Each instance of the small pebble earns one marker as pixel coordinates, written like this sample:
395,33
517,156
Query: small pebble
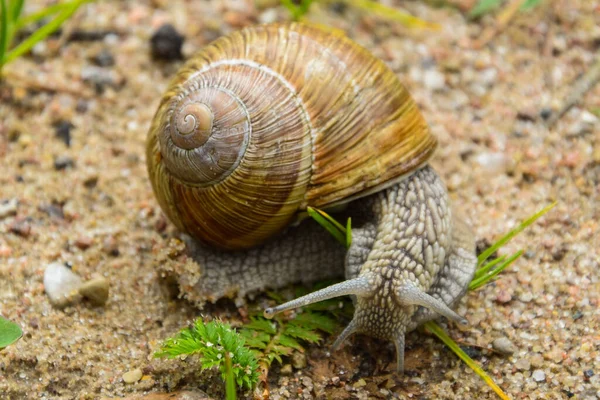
545,113
61,285
268,16
21,227
90,181
62,130
132,376
8,207
492,162
84,242
503,297
95,290
523,364
101,77
360,383
588,373
299,360
307,383
286,369
111,246
434,80
104,58
504,346
526,297
537,361
53,210
539,375
166,43
63,162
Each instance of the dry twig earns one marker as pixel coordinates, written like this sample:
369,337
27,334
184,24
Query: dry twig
583,85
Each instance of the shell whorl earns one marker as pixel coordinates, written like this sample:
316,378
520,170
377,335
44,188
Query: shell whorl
206,134
271,119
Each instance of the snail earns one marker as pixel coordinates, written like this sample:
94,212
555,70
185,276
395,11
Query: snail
274,118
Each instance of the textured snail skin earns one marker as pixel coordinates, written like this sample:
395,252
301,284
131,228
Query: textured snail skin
407,249
275,118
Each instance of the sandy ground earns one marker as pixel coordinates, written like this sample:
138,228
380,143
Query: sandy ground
501,163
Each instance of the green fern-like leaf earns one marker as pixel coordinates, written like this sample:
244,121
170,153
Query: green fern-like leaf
216,342
271,341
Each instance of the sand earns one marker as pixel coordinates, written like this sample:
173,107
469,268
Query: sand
90,204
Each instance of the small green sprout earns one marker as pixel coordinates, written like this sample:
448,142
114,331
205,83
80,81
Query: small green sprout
219,346
9,332
11,22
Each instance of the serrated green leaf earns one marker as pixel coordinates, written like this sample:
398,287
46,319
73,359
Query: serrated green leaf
261,324
316,321
300,332
214,341
9,332
288,341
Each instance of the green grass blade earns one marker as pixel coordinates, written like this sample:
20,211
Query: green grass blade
441,334
504,239
41,14
394,14
483,7
487,267
15,9
348,232
529,4
3,31
9,332
327,222
44,31
482,280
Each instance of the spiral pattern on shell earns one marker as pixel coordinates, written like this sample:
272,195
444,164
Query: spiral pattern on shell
271,119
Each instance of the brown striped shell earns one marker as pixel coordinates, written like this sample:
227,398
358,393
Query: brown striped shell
274,118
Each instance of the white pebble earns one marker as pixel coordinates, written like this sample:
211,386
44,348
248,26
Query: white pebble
539,375
8,207
434,80
492,162
504,346
132,376
61,285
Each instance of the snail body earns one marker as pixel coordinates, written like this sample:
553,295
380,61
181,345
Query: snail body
275,118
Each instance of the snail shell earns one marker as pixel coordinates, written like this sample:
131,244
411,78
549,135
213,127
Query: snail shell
272,119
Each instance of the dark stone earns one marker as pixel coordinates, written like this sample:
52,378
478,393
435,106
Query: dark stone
89,36
588,373
62,130
63,162
104,58
472,352
545,113
166,43
53,210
